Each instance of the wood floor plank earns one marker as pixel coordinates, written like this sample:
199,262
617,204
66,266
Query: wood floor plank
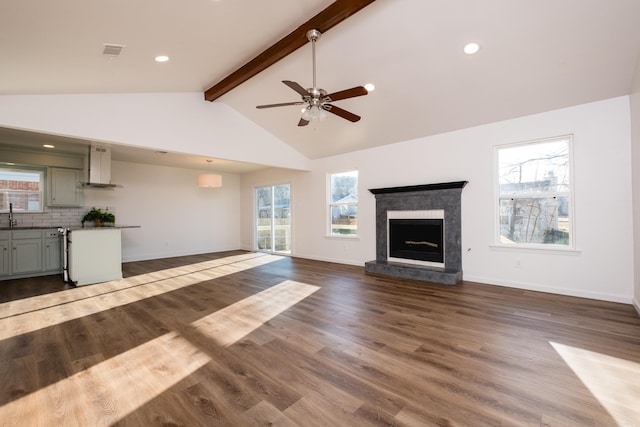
360,349
264,414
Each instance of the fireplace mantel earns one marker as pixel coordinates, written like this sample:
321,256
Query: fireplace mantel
446,196
423,187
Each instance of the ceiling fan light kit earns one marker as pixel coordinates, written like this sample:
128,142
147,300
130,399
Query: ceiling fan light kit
314,113
317,101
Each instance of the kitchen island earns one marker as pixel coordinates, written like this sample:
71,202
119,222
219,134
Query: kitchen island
92,254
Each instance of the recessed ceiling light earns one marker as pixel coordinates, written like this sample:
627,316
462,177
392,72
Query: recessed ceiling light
370,87
48,146
471,48
161,58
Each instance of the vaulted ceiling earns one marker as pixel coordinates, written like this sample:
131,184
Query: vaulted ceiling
535,56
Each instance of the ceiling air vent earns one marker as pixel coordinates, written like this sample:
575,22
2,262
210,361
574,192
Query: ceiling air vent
112,49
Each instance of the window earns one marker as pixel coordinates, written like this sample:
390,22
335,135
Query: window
22,188
534,193
343,204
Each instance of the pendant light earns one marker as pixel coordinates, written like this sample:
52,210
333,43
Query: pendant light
209,180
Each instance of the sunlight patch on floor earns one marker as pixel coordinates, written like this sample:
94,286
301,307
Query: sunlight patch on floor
238,320
614,382
110,390
31,314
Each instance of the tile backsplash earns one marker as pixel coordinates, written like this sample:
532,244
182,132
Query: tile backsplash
54,217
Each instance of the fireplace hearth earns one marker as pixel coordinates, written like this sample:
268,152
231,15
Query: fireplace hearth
418,232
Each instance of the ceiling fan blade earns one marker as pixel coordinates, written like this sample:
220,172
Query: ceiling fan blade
295,86
340,112
347,93
303,122
283,104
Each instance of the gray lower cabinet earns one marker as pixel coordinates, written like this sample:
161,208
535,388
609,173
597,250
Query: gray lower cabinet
26,253
4,257
52,251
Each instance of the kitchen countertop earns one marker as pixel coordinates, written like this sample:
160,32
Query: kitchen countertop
108,227
79,227
30,227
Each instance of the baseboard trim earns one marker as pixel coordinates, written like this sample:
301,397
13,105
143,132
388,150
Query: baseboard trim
552,290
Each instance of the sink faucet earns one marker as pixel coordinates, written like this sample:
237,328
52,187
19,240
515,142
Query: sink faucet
12,222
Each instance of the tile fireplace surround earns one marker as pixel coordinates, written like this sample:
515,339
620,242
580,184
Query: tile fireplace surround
445,196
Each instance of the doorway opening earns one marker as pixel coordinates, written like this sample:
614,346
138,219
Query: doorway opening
273,219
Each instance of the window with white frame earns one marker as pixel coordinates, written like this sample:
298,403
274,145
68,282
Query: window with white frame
22,189
534,193
343,204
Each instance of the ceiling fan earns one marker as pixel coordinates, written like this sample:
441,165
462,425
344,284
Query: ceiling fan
317,100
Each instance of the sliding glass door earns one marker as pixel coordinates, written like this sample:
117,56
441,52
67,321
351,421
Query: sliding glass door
273,218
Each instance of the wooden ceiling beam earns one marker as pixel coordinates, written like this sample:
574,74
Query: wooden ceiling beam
323,21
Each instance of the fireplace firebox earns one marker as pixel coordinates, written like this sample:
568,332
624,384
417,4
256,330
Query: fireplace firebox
418,241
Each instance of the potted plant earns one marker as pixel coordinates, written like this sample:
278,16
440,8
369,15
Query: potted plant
108,218
98,217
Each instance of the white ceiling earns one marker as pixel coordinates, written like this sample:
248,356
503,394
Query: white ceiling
536,55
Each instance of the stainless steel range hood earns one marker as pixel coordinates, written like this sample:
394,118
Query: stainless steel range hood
99,168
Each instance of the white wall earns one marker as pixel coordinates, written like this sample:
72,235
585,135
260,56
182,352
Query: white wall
601,268
635,138
176,216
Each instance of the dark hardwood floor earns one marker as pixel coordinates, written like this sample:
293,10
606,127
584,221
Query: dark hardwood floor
250,339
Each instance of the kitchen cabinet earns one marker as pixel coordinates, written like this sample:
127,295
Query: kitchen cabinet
64,187
26,254
5,244
52,251
30,252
